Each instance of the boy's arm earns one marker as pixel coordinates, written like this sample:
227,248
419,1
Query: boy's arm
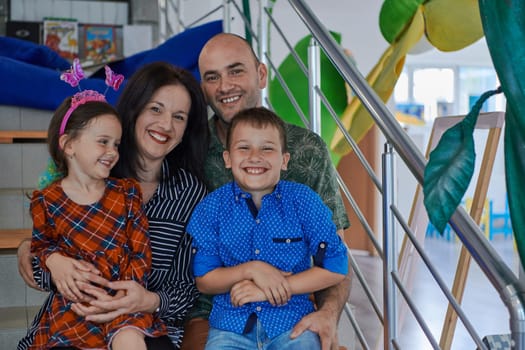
313,280
333,299
268,278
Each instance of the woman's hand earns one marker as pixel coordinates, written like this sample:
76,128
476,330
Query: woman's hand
24,263
131,297
86,309
66,272
244,292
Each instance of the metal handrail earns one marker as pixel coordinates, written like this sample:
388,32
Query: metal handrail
502,278
510,288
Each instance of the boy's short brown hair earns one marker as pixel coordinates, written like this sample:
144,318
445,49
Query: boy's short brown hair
258,117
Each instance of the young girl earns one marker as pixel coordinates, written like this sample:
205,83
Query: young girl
89,217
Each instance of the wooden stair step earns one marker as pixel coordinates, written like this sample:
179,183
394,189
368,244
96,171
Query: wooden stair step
11,238
13,136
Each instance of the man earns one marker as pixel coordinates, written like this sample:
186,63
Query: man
232,78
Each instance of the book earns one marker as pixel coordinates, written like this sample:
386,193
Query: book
61,35
29,31
100,44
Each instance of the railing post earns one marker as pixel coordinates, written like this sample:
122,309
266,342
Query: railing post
314,80
263,45
389,249
179,15
226,16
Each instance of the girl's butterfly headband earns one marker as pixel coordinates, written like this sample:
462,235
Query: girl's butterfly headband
73,77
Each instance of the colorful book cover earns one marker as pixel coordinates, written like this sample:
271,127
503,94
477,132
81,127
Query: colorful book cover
100,44
61,35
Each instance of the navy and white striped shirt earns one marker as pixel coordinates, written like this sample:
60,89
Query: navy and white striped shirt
168,212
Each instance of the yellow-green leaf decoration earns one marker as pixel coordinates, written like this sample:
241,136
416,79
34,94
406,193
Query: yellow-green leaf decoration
332,85
451,25
503,24
382,78
450,168
395,16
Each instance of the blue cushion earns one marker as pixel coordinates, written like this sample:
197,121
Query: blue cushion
31,73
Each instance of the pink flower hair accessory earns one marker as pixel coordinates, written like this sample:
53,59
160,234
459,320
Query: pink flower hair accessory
73,77
79,99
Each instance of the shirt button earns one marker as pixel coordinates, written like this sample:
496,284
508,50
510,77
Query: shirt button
322,245
257,221
258,308
288,240
257,251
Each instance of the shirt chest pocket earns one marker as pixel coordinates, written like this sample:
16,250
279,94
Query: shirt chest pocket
288,251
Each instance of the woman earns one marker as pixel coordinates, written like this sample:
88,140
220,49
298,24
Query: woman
163,146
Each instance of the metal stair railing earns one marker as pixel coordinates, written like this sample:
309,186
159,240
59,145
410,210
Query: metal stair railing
505,282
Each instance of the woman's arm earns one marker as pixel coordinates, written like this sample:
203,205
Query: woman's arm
133,297
177,293
25,267
137,234
172,299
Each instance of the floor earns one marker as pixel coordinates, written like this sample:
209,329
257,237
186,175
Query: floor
481,302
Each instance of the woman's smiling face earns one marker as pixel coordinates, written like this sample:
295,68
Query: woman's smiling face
161,124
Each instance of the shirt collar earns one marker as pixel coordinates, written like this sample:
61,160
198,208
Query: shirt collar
215,143
238,193
163,191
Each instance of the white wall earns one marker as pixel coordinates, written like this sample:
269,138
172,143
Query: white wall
357,21
109,12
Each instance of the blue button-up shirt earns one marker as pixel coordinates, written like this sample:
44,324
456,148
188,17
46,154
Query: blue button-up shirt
286,232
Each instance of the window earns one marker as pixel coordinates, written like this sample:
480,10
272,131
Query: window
447,90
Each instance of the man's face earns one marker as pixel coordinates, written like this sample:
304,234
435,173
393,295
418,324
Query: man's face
231,76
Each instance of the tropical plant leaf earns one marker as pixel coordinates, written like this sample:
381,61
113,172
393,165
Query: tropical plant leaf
395,15
332,85
505,34
447,174
450,167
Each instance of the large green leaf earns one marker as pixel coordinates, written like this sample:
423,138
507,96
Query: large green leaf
450,168
514,171
395,15
505,33
332,85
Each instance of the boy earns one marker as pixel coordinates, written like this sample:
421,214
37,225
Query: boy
254,239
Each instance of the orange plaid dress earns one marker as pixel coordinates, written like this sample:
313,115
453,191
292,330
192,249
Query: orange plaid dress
112,234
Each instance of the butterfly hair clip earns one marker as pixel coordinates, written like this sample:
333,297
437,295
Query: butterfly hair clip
73,77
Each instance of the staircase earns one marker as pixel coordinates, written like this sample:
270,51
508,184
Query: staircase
23,156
